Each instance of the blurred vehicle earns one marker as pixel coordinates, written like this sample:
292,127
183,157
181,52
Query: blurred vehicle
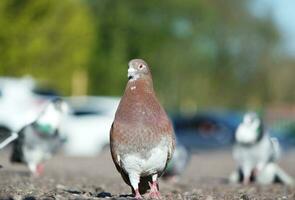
207,130
88,124
284,130
20,102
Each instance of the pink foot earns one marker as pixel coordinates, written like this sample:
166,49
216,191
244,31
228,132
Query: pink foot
154,192
137,194
40,169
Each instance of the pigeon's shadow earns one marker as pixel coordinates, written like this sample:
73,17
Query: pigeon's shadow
109,195
214,180
126,195
22,173
103,195
30,198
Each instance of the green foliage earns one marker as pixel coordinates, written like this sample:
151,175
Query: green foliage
47,38
202,52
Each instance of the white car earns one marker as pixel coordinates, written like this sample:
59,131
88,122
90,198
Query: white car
88,125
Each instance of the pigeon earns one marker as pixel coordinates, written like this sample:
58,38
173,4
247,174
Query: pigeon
39,140
178,163
142,138
254,150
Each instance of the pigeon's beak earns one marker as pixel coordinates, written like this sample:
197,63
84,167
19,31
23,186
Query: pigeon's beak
131,73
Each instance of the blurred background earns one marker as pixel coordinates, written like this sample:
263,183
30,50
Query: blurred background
211,61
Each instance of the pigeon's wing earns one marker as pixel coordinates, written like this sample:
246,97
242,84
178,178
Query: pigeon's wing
171,146
114,154
116,157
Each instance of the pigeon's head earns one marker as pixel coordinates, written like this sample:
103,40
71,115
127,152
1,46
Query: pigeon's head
52,114
60,105
250,118
138,68
250,129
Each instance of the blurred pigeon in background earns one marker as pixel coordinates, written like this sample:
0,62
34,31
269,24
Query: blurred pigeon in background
256,153
142,137
39,140
178,163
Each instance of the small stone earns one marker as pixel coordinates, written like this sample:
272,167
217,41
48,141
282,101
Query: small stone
104,194
209,198
68,189
244,197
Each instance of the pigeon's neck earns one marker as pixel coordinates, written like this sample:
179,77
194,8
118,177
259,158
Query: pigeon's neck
140,85
49,119
44,129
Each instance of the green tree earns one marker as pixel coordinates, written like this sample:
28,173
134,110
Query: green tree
202,53
48,39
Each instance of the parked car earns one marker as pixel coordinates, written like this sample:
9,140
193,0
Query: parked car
88,124
284,131
207,130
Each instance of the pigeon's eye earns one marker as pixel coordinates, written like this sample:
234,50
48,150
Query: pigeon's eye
140,66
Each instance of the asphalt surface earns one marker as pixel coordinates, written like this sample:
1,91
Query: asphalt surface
96,178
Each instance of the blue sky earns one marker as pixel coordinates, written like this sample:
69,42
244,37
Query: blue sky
283,12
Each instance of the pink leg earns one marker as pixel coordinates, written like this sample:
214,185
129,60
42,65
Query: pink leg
40,169
137,194
134,180
247,175
154,192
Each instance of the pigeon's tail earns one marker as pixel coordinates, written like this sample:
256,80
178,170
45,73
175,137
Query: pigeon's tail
17,152
272,173
8,140
284,177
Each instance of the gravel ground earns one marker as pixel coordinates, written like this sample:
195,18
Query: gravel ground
96,178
